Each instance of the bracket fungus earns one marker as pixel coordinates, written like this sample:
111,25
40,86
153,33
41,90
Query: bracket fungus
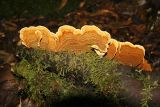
88,37
129,54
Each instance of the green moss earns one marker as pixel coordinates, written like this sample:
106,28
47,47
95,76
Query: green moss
146,93
51,76
148,86
37,83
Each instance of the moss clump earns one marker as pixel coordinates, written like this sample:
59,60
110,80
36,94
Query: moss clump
48,77
40,86
53,76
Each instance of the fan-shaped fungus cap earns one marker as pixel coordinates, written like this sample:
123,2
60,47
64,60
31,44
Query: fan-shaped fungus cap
81,39
38,37
66,38
92,35
130,54
32,36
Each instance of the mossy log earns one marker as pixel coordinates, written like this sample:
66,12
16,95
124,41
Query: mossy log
49,78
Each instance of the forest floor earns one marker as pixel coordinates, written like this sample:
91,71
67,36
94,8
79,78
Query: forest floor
136,22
